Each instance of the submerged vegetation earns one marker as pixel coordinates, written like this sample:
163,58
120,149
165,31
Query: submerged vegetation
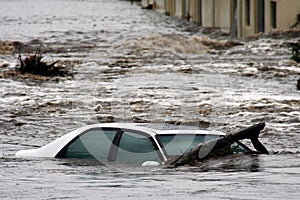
33,64
33,67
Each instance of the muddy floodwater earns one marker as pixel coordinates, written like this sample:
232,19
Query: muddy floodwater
134,65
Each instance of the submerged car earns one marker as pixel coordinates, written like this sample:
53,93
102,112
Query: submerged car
142,144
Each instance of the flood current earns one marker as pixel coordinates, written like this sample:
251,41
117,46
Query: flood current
135,65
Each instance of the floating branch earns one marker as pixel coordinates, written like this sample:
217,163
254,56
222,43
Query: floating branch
33,64
220,147
296,52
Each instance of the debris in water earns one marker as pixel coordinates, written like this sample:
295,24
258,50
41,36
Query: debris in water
220,147
149,6
7,47
4,64
217,44
33,64
279,35
296,52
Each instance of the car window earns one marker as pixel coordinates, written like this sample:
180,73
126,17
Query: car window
93,144
238,147
136,148
177,144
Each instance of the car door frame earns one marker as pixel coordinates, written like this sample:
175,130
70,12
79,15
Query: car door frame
112,155
63,151
113,149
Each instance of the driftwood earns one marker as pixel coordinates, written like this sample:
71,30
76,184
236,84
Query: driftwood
33,64
220,147
149,6
296,52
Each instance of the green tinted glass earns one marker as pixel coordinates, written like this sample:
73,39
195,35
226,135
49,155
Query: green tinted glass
177,144
136,148
93,144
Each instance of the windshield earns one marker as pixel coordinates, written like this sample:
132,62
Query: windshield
238,147
177,144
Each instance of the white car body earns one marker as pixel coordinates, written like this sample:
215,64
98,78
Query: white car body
52,149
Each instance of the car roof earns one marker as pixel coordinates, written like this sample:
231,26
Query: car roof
158,128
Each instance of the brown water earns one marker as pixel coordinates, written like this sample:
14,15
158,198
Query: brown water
136,65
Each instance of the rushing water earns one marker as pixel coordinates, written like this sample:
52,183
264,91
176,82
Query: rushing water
137,65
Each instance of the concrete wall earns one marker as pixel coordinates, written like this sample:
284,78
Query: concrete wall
286,14
198,11
248,29
172,10
185,9
220,13
160,5
224,15
178,8
208,13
